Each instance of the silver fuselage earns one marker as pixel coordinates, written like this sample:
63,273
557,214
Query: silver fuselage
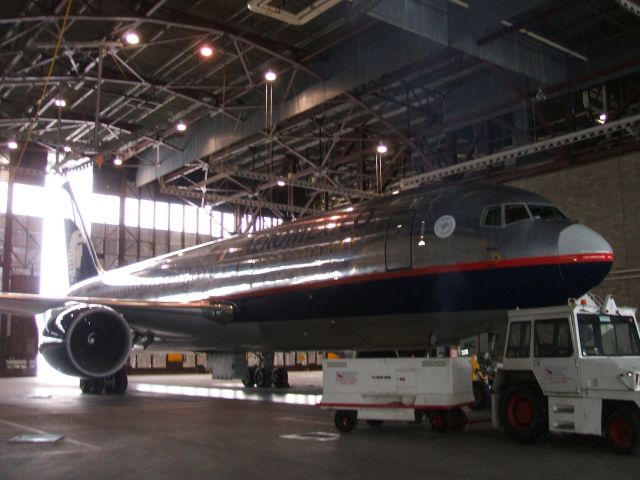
387,273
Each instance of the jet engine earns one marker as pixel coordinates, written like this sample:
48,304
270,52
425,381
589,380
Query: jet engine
87,341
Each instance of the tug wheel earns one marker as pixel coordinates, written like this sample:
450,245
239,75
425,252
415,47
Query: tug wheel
621,430
523,413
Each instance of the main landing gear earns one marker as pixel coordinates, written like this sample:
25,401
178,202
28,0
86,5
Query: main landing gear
263,377
265,374
115,384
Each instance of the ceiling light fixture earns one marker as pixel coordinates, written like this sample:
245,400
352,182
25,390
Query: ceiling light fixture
206,51
181,126
12,144
117,161
270,76
381,149
281,182
603,118
66,148
132,38
60,102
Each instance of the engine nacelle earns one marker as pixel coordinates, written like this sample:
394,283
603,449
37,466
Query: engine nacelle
92,341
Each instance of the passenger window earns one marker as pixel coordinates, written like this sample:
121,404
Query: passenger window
519,340
552,338
515,213
492,217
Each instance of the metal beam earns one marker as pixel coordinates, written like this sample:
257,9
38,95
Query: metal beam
377,52
212,197
273,179
511,154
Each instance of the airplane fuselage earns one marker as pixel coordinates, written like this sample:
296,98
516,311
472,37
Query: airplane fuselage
387,273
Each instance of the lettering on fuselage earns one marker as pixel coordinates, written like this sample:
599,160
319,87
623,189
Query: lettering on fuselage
309,233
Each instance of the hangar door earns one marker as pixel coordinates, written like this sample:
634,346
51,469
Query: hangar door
398,240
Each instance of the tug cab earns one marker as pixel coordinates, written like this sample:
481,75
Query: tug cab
571,369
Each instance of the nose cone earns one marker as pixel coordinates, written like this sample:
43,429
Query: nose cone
586,258
577,239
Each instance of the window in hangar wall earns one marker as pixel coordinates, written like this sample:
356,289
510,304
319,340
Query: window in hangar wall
104,210
34,201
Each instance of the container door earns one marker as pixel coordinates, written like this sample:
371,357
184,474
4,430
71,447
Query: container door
398,241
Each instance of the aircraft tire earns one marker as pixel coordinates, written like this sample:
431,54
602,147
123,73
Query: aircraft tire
622,429
262,377
523,413
117,383
280,377
248,379
92,385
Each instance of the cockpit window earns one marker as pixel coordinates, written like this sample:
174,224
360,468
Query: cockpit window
514,213
492,216
546,212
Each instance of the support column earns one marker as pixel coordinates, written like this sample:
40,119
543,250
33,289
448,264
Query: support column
121,229
6,269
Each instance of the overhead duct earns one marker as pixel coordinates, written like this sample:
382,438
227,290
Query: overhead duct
305,15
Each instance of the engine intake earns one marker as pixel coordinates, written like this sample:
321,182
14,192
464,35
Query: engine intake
95,341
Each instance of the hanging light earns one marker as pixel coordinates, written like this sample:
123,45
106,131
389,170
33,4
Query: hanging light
280,182
603,118
60,102
206,51
270,76
117,161
181,126
381,148
66,148
132,38
12,144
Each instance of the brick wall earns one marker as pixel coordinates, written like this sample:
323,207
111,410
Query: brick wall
605,196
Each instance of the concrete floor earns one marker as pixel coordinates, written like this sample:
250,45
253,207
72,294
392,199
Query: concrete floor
191,427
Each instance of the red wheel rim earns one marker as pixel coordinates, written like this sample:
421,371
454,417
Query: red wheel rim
620,432
520,412
439,421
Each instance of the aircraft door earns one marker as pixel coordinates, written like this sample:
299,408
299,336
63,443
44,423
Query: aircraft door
398,241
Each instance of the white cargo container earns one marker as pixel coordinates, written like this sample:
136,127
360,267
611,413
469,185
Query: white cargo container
405,389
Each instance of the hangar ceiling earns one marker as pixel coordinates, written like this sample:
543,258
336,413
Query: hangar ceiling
457,90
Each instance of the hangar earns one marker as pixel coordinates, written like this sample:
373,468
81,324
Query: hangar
182,122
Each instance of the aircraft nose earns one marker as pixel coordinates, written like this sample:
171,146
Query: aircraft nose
586,258
578,239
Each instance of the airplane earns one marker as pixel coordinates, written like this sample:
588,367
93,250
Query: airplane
385,274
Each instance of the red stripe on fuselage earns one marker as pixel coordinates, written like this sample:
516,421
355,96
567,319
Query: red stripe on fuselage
582,258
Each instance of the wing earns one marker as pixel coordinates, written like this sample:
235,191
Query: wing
32,304
27,304
142,314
